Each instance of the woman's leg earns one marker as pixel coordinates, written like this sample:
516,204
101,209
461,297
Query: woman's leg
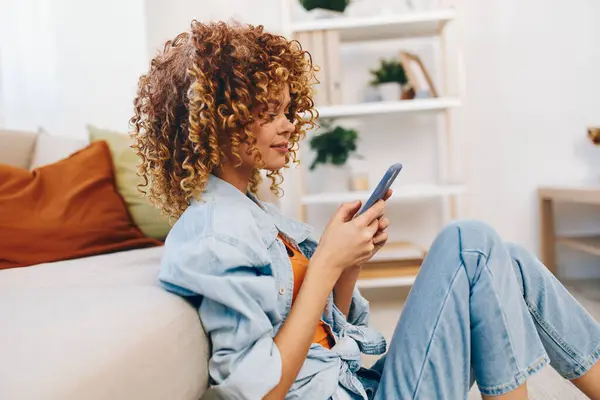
464,319
569,334
589,383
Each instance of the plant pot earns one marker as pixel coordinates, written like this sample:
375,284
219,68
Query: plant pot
322,13
390,91
330,179
371,94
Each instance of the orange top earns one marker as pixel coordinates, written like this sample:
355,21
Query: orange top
299,262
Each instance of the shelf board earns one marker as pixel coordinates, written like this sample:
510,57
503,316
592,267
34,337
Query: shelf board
388,107
382,27
399,251
588,244
401,193
373,277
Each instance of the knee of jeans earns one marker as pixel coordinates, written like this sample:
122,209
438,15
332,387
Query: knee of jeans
516,251
523,261
472,235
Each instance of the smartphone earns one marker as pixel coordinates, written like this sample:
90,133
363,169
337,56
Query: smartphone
382,187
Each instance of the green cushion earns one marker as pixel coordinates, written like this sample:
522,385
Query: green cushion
148,218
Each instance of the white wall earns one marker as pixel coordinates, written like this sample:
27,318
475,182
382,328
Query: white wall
68,63
166,19
28,91
532,88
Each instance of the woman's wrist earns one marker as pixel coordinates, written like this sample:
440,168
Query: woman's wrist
323,269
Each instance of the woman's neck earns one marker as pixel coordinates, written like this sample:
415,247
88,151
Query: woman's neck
238,177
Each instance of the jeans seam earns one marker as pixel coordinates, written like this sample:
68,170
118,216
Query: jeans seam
419,379
519,378
553,334
505,322
589,363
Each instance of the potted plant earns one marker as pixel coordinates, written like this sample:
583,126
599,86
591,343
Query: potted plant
325,8
334,148
389,79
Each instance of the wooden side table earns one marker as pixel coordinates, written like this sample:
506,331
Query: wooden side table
568,194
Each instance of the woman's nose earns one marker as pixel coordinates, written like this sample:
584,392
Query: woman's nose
288,127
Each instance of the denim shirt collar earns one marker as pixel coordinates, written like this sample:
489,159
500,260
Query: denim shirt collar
270,221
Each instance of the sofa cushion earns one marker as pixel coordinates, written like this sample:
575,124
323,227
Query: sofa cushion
52,148
17,148
65,210
147,217
98,328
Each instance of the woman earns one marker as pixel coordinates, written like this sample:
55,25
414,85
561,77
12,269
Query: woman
282,313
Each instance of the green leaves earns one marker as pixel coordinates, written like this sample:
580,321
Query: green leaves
389,71
334,146
333,5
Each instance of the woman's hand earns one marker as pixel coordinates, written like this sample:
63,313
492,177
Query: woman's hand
349,241
381,236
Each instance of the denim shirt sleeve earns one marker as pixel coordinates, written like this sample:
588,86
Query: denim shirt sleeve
238,309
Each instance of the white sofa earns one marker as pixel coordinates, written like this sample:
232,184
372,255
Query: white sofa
97,327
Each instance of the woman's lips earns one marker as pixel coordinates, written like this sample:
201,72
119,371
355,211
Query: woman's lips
282,148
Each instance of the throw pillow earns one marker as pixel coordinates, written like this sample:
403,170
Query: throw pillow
148,218
65,210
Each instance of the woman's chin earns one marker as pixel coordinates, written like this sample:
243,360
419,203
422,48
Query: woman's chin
274,165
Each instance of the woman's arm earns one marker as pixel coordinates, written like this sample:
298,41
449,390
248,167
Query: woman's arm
324,269
344,287
296,335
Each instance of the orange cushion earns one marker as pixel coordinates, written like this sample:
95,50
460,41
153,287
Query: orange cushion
64,210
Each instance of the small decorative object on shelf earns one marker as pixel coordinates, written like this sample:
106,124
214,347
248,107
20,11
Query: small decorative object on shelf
359,174
594,135
325,8
389,79
418,77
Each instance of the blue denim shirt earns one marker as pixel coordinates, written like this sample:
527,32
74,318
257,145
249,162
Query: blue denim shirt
224,252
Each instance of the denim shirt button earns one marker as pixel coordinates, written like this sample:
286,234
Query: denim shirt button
281,290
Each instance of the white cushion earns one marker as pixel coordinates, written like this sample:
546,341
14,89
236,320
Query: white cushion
98,328
50,148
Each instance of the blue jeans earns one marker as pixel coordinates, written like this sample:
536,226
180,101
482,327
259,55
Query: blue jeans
481,310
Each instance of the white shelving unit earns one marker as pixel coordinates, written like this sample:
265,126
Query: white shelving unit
396,264
383,27
402,193
389,107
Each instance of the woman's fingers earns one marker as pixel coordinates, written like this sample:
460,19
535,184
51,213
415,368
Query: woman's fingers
373,213
381,237
383,224
388,194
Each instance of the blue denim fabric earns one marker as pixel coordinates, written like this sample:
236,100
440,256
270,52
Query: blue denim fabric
224,255
481,310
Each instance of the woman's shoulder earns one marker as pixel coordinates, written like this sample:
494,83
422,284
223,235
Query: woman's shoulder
221,220
212,239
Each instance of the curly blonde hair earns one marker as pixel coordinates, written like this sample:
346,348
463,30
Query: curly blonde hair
199,100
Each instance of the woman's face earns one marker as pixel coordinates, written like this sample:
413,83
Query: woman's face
272,135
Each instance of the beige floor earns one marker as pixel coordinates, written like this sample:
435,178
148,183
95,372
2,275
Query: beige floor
386,306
